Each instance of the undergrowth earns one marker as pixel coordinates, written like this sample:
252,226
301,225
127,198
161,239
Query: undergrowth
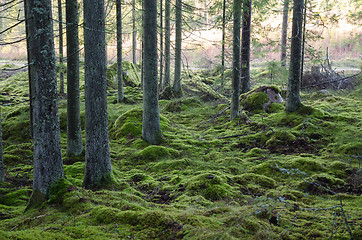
266,175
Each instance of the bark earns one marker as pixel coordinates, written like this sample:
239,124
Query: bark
119,51
61,69
178,42
134,34
151,129
293,92
74,132
245,47
2,178
303,41
30,65
48,167
283,53
234,111
223,44
97,155
161,44
167,44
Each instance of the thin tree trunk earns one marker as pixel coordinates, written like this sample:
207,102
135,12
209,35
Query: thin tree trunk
161,45
30,64
234,111
293,92
223,45
151,129
134,34
167,44
119,51
48,166
303,41
2,175
74,131
178,42
245,47
97,155
61,69
283,52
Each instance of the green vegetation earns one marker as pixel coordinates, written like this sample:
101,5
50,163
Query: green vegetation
267,175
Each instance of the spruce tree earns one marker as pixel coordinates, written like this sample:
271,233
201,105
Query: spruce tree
293,92
48,166
74,132
151,129
97,155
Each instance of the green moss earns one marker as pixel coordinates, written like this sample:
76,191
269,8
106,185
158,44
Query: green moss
280,138
254,102
212,186
129,124
154,153
256,152
275,107
58,189
260,180
307,164
16,198
75,173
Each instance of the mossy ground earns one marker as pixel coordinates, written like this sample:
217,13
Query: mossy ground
267,175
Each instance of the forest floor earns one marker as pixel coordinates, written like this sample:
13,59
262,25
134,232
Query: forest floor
266,175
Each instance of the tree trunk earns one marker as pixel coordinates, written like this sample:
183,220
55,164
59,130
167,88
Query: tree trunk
303,41
30,65
97,155
167,44
293,92
119,51
151,129
283,53
48,166
134,34
2,178
245,47
161,44
61,67
178,41
74,131
223,45
234,111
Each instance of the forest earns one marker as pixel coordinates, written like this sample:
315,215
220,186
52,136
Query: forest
178,119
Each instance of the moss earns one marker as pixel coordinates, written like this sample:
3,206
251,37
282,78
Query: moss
154,153
212,186
261,180
58,189
281,138
75,173
275,107
307,164
16,198
254,102
130,75
129,124
256,152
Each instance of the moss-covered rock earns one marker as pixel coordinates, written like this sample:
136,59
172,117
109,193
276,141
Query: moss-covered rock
130,75
280,138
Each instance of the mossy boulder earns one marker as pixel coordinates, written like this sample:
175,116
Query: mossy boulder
130,75
196,87
260,98
129,124
179,105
